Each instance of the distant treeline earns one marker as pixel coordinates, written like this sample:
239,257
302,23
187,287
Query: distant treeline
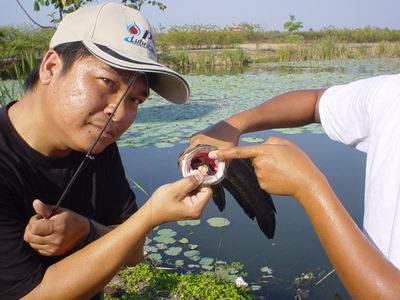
181,47
15,40
209,36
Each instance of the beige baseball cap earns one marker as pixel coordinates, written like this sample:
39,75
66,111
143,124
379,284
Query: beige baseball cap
121,37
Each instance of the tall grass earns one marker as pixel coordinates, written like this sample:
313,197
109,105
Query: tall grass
328,49
13,90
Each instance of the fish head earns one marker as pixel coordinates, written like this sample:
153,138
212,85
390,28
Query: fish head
197,158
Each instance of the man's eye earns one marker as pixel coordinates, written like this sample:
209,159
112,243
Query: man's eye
136,101
109,82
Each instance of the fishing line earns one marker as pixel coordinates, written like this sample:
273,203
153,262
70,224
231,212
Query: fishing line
88,155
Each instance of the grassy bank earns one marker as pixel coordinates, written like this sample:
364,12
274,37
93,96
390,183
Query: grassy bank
207,47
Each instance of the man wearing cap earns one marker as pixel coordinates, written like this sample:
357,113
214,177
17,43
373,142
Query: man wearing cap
100,57
364,114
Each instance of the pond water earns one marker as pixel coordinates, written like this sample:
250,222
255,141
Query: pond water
294,258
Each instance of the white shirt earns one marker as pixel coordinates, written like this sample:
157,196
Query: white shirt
365,114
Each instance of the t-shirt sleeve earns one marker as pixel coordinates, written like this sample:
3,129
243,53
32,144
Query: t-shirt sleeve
122,202
21,269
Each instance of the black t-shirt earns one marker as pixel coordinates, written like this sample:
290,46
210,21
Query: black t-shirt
101,192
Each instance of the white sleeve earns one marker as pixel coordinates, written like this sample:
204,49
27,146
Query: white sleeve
349,113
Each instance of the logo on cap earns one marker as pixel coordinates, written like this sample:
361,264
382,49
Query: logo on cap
138,39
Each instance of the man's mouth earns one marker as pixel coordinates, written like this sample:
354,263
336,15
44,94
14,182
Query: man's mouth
108,132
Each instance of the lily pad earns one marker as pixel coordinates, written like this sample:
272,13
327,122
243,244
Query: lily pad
150,249
218,222
147,241
161,246
207,267
255,288
193,246
267,270
173,251
195,258
206,261
155,256
164,239
163,145
179,263
166,232
183,241
252,140
191,253
193,266
189,223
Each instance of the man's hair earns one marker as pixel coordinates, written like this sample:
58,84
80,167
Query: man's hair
68,52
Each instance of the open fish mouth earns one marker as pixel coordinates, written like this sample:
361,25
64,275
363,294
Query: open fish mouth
197,158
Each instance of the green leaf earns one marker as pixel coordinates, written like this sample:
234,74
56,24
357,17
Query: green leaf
191,253
189,223
155,256
206,261
166,232
218,222
164,239
36,6
173,251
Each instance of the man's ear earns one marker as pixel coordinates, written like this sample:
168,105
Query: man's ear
50,66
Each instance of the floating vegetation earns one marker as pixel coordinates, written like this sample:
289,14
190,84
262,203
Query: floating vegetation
218,222
191,253
189,223
166,232
164,239
183,241
267,270
163,125
173,251
252,140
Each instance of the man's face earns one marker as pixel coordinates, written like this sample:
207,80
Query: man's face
81,101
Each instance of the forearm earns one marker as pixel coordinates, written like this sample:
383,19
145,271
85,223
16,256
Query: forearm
364,271
86,272
291,109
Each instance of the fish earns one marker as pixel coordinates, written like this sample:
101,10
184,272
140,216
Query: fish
239,179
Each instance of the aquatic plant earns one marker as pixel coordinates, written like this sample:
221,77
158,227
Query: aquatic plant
147,282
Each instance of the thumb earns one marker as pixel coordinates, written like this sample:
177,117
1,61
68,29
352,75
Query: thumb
274,140
185,185
42,209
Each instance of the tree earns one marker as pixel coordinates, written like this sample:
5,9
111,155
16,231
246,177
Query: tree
67,6
292,25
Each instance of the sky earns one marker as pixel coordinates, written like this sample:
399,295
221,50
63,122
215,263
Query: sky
315,14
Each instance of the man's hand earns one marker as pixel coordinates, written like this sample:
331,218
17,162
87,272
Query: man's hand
55,235
281,167
181,200
221,135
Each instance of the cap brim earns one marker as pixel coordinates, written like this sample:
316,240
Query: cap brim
164,81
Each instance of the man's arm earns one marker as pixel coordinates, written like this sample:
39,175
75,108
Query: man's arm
283,169
291,109
84,273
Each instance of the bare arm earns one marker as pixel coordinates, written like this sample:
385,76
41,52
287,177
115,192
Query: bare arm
283,169
291,109
85,272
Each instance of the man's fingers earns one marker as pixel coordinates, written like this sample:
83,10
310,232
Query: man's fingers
185,185
42,209
236,152
41,227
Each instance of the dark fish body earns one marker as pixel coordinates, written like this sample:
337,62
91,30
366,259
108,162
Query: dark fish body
241,182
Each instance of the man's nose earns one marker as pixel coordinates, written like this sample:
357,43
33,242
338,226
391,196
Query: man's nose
116,112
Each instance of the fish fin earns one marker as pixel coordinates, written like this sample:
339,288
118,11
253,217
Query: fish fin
241,181
218,196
